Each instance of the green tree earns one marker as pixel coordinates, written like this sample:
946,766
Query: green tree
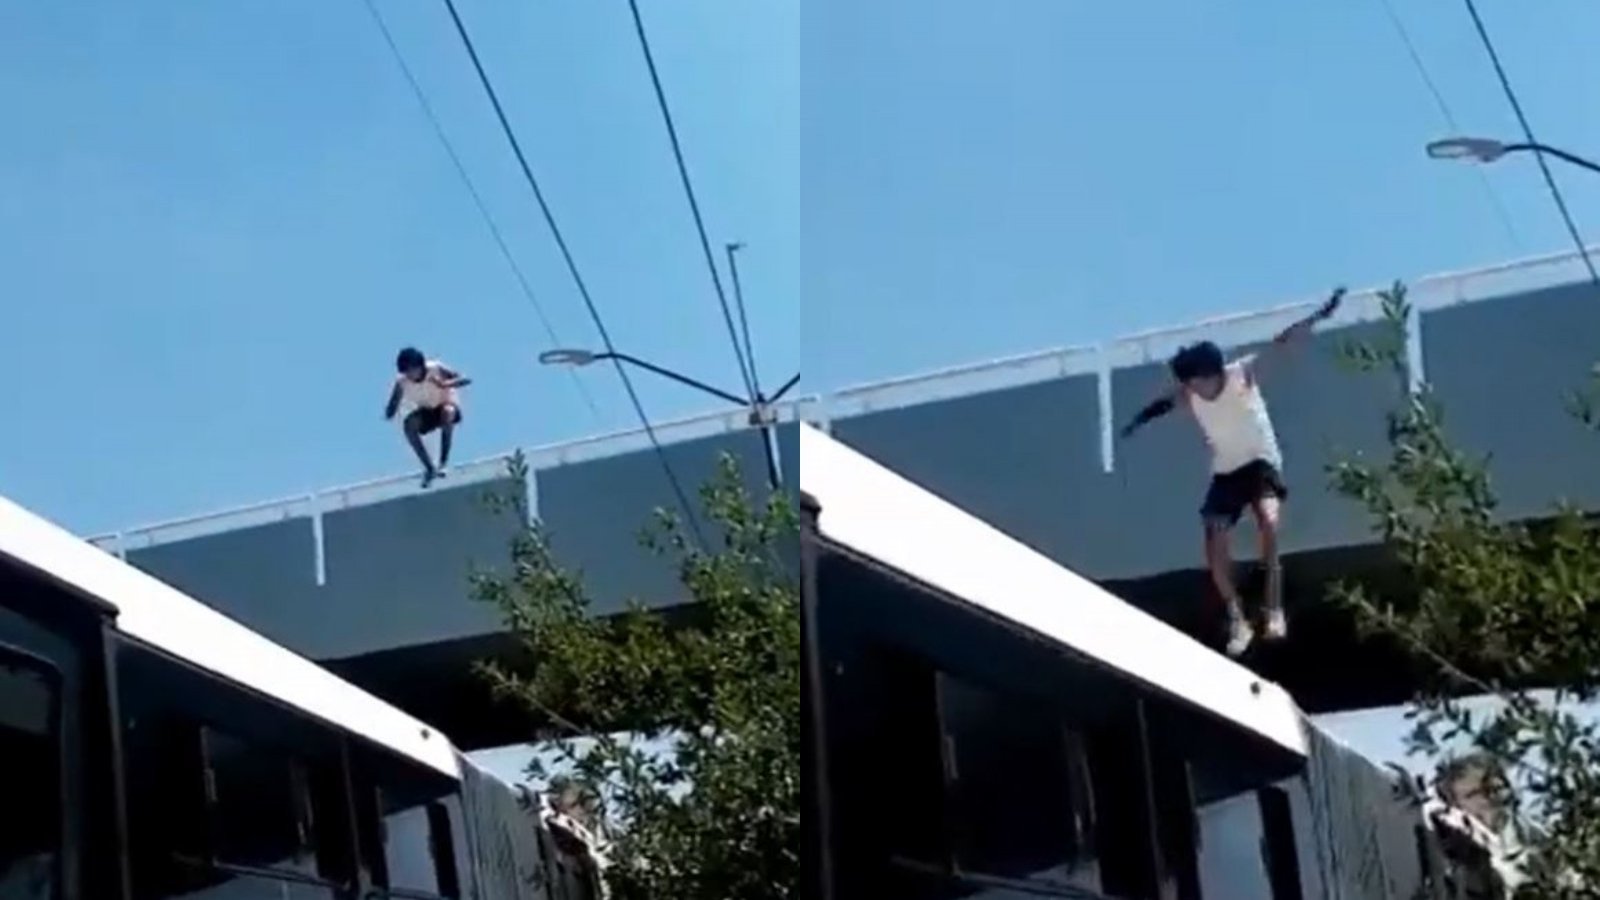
719,679
1509,609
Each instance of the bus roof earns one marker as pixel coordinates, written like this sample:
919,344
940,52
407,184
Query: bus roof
162,616
875,512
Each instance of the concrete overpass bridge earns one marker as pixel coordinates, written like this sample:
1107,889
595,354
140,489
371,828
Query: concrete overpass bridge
372,578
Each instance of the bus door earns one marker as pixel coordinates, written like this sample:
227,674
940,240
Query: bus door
40,677
57,797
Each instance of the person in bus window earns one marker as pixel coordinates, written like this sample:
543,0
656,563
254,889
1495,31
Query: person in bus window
1246,466
429,388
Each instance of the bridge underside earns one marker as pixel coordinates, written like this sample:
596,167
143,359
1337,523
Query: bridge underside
1324,663
440,684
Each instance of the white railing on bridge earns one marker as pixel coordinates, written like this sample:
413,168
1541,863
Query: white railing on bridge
314,504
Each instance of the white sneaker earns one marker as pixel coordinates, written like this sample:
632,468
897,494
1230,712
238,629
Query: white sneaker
1240,634
1277,626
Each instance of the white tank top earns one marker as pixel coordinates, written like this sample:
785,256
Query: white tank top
1236,425
430,392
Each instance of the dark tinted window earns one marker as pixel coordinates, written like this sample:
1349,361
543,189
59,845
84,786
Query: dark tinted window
30,781
899,781
408,844
260,805
1021,806
1278,844
229,796
413,817
1234,848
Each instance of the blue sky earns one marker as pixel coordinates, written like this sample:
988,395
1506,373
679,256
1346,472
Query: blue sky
987,179
1376,732
221,220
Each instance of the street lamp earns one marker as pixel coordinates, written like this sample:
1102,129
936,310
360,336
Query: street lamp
566,356
1480,149
1487,150
758,407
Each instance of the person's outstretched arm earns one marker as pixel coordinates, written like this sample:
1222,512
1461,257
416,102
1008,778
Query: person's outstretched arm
1153,410
1294,333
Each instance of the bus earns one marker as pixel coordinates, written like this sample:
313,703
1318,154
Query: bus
984,723
153,748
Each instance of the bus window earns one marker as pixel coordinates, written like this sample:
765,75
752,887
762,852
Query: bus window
1018,787
260,805
417,846
230,797
412,828
30,746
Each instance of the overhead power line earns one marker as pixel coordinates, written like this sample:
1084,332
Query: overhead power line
746,369
577,276
1527,133
1449,118
477,198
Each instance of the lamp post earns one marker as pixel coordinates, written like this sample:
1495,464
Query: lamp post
1487,150
760,407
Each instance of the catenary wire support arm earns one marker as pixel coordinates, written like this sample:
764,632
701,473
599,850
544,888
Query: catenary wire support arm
1560,154
761,414
679,377
787,386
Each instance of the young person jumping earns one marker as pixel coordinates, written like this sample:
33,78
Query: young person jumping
429,388
1246,465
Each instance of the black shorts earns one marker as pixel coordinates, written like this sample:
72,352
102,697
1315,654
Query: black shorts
430,418
1231,492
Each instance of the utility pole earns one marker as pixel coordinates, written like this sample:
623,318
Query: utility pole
760,407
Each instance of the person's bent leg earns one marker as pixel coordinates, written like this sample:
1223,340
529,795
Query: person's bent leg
1219,560
1268,512
449,417
415,428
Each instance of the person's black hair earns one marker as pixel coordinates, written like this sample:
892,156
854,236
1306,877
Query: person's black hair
410,358
1197,361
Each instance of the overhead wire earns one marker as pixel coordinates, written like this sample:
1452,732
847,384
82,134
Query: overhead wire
1527,132
745,367
1449,117
477,198
680,495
